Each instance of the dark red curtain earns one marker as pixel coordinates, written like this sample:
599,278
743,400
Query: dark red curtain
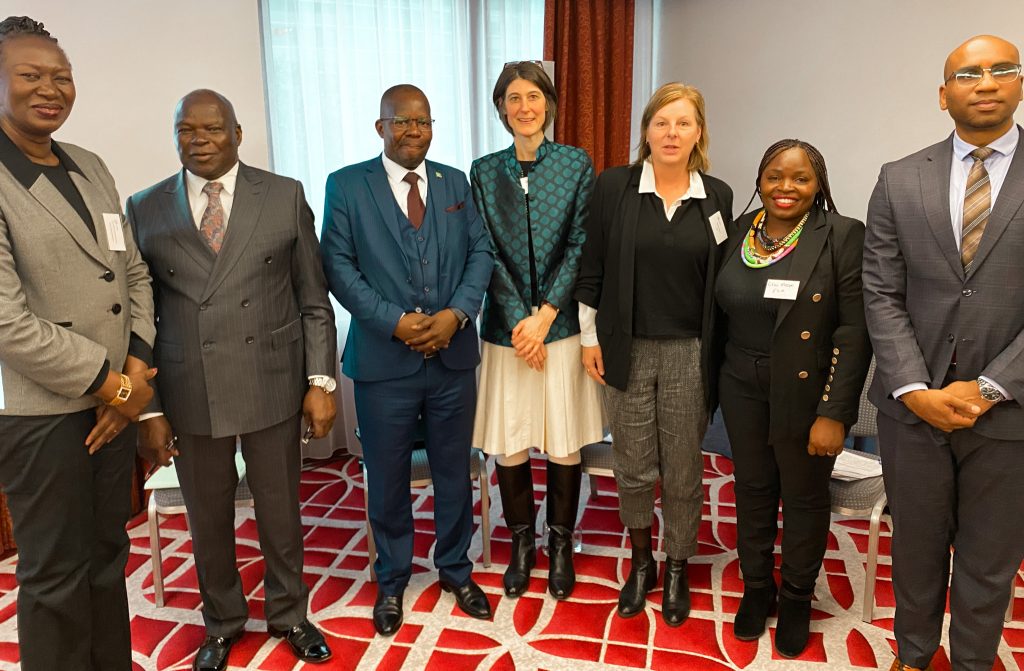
591,43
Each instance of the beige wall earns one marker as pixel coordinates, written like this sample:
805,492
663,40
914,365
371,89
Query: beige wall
132,61
857,78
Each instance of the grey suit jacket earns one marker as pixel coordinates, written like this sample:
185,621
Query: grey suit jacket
238,332
920,305
59,288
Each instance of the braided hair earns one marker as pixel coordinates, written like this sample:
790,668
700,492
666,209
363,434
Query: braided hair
23,26
823,198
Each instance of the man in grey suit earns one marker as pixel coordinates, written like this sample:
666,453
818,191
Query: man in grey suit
943,280
246,344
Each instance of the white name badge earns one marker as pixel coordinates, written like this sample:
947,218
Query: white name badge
718,228
115,234
783,290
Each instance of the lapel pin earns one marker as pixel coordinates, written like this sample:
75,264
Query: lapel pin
437,173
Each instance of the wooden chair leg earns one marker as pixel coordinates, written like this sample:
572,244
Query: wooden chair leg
156,552
485,509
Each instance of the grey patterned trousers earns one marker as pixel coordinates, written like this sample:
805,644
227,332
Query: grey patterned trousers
657,426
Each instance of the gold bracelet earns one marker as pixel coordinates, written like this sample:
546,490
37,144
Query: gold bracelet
123,392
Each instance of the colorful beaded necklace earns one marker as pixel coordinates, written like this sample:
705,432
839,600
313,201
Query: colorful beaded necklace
778,248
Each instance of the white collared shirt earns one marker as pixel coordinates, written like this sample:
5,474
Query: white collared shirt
647,185
997,165
198,200
396,178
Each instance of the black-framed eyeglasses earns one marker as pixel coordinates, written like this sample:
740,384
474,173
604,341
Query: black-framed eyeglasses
1002,73
403,122
512,64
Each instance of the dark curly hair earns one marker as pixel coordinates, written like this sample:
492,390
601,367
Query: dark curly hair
23,26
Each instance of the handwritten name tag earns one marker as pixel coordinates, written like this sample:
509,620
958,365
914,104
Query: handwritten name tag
718,228
115,234
783,290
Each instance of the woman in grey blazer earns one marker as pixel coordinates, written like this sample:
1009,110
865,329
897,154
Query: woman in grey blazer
76,335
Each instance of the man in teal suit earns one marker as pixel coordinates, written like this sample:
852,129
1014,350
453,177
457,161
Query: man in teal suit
406,253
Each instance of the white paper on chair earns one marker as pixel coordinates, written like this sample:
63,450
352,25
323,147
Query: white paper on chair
850,467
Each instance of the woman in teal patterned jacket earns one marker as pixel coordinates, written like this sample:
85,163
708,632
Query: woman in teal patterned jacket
533,392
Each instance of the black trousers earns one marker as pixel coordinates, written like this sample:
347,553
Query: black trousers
69,511
767,472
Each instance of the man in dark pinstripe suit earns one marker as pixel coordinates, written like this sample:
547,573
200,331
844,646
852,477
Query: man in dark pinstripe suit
247,342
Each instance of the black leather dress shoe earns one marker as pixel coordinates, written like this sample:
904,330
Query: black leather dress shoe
471,599
675,597
387,614
306,642
213,654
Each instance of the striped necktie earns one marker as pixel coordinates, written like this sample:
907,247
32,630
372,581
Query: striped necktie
977,206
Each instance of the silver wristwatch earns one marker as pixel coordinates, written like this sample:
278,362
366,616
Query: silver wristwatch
325,382
989,392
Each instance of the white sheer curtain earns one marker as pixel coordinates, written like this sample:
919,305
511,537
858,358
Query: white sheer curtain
328,61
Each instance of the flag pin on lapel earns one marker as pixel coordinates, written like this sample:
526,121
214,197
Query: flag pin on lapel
437,173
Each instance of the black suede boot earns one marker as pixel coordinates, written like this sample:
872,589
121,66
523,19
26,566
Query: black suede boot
643,574
794,625
516,486
675,596
759,600
563,503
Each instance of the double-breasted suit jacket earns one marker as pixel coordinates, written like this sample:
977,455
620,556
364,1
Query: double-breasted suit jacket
238,331
820,350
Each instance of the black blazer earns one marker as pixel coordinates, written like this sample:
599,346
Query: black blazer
820,351
606,274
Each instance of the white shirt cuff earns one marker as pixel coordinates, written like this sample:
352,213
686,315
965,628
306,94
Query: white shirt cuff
588,326
913,386
149,415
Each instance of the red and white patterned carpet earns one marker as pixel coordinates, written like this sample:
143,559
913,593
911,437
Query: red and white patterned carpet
532,632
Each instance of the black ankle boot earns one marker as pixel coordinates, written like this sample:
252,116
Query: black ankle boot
516,486
675,596
563,502
643,574
794,625
755,607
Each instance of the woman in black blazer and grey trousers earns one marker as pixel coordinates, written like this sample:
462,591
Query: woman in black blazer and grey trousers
654,235
795,358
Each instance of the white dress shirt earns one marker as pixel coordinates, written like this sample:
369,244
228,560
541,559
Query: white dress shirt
396,178
198,200
587,314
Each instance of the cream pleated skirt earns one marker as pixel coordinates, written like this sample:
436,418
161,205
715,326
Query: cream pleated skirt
557,410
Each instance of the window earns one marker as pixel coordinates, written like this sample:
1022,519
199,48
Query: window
328,61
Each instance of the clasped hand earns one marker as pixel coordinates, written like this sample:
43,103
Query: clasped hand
427,333
529,334
958,405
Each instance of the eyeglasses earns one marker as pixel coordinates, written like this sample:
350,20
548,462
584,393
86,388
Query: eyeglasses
403,123
1002,73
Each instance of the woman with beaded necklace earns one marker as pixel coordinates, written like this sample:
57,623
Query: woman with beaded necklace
795,358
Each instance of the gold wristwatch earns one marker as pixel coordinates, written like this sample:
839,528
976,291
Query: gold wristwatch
123,392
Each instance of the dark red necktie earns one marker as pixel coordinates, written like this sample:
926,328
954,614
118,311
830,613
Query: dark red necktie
415,203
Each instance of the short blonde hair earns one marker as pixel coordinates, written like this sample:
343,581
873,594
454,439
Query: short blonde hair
666,95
